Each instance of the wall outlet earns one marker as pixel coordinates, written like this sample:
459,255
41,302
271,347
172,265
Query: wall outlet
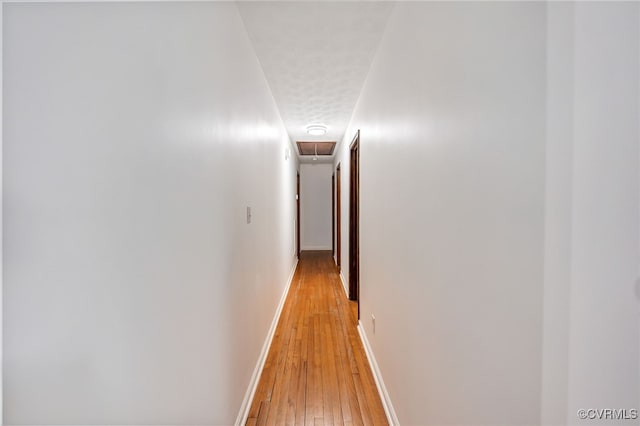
373,323
248,214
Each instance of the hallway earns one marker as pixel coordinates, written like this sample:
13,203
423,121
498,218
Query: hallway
473,165
316,372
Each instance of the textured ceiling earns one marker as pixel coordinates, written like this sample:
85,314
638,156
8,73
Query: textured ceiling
315,56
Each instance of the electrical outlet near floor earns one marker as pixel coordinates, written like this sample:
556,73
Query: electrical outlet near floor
373,322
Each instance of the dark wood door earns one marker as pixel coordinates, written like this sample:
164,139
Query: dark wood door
354,222
298,214
338,220
333,214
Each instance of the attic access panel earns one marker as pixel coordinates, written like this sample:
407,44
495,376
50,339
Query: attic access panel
309,148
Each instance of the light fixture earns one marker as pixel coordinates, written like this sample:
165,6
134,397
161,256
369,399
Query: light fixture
316,129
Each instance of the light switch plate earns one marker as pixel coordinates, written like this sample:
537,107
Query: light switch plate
248,214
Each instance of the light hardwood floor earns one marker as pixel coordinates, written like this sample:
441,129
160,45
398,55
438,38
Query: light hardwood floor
316,372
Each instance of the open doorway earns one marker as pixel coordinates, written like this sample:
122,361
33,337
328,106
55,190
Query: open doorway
354,222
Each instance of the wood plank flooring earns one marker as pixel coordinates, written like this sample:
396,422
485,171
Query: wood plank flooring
316,372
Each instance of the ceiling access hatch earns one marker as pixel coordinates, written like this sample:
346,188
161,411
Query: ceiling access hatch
316,148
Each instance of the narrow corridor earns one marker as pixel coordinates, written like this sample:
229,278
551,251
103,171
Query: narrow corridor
474,165
316,372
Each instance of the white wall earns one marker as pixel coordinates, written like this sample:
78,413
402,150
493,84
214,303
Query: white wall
452,194
1,216
558,200
500,206
315,206
591,343
605,251
135,135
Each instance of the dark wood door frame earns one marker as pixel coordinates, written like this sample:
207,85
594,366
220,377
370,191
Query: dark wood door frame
298,214
338,219
333,214
354,222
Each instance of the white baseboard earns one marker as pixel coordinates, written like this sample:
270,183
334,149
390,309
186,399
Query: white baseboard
243,414
344,284
377,376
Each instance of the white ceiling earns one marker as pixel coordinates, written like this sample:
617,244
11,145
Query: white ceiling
315,56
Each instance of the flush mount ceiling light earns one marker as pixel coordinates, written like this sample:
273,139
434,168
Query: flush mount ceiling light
317,129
